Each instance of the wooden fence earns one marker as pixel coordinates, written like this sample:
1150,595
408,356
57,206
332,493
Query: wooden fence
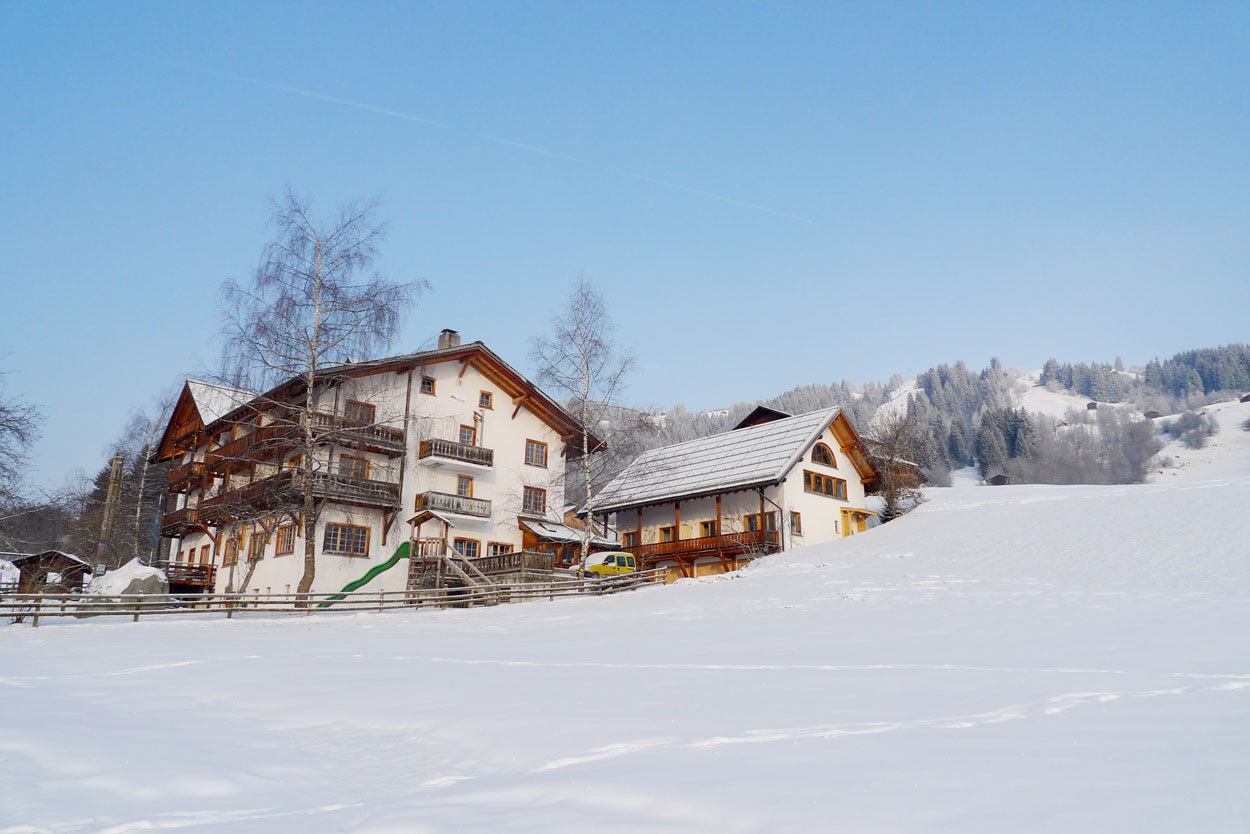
34,607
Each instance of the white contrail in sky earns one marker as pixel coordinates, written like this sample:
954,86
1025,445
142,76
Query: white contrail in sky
395,114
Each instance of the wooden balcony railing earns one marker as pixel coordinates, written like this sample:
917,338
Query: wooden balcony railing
345,432
186,477
176,522
443,502
515,562
262,443
452,450
760,541
181,573
285,487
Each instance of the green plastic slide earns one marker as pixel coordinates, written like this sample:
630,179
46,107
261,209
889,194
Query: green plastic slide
401,552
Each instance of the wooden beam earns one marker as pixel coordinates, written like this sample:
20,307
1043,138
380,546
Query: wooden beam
639,542
464,366
677,521
718,515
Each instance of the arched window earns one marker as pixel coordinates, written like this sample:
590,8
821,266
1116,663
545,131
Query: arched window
823,454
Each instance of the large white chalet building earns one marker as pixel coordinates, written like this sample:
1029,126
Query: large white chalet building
453,435
711,505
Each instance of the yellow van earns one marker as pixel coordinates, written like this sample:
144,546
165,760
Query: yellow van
610,563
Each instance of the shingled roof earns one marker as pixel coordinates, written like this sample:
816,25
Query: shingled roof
740,459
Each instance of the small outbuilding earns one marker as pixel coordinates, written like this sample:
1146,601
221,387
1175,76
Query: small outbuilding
1245,398
1091,406
1001,479
51,570
1151,415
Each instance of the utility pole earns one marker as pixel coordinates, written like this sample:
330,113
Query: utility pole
110,505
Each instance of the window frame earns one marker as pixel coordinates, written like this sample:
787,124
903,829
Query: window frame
536,444
496,548
284,530
460,479
433,386
668,533
472,430
755,518
705,526
796,523
629,538
818,483
526,504
360,405
339,538
486,399
477,547
823,449
361,458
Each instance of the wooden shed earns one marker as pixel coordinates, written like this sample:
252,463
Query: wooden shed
1091,406
49,569
1001,479
1151,415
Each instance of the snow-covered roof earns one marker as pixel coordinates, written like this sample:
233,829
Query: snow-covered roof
17,558
215,401
552,531
738,459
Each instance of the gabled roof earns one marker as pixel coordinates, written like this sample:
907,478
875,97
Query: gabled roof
215,401
199,405
19,558
209,403
759,415
744,458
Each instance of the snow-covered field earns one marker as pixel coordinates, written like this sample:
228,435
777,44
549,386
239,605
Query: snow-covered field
1008,659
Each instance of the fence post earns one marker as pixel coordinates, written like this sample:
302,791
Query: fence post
38,605
382,600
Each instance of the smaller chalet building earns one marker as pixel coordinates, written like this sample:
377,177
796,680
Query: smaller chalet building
711,505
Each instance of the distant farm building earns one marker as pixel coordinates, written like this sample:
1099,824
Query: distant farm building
1245,398
1001,479
1091,406
1152,415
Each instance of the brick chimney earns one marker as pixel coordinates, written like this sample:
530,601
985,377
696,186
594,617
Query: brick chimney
448,339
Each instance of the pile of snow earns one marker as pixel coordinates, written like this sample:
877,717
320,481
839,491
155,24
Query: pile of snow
10,574
117,581
1021,658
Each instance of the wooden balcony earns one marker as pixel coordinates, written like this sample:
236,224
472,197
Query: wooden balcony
441,502
341,431
285,488
181,573
449,450
177,522
261,444
186,478
761,541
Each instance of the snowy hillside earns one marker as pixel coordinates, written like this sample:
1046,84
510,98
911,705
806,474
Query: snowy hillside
1023,659
1227,453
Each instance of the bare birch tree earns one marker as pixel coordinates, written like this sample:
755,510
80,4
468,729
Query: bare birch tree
19,428
578,358
314,301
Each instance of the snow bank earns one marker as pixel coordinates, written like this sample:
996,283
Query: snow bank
116,581
1020,658
10,574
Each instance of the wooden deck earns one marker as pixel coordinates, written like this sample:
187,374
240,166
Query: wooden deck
727,544
182,573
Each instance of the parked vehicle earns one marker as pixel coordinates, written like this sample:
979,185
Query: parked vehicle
610,563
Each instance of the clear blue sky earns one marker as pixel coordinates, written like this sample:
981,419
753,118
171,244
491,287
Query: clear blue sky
767,194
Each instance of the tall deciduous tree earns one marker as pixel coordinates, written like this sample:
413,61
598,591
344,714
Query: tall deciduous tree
579,359
314,300
19,427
